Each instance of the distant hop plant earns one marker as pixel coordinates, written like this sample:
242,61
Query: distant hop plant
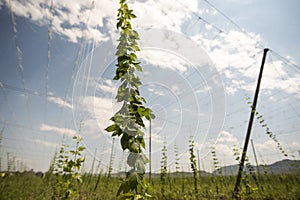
216,163
193,166
163,169
67,168
217,168
177,159
128,121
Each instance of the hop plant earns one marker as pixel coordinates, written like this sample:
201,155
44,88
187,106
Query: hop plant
67,166
128,121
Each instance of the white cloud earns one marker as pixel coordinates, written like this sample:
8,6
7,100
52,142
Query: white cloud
156,92
69,17
175,89
45,143
266,146
163,14
225,136
275,77
295,145
224,149
107,86
163,59
236,54
156,138
98,112
232,49
269,146
74,18
59,101
63,131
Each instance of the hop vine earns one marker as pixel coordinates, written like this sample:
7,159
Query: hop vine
264,125
128,121
163,169
193,166
67,166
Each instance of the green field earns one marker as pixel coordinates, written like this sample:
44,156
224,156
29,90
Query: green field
31,186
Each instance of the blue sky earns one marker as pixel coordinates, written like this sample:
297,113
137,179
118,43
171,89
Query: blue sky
199,67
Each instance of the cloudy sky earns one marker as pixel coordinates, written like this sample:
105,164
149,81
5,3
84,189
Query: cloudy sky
200,64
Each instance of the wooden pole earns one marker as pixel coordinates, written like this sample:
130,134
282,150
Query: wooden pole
253,108
8,162
150,136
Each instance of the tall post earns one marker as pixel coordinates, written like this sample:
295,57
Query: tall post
8,162
253,108
1,149
13,167
198,156
111,158
93,163
257,167
150,137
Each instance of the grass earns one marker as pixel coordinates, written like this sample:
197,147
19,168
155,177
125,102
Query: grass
29,186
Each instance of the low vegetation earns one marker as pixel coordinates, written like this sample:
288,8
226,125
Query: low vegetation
29,185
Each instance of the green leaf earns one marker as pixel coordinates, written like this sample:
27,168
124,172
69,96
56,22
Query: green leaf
119,24
140,166
142,142
81,148
144,158
124,141
132,56
127,196
134,147
111,128
124,188
147,113
152,116
133,180
72,152
81,160
131,159
115,128
138,68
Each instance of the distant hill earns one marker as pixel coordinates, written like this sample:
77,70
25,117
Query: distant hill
173,174
281,167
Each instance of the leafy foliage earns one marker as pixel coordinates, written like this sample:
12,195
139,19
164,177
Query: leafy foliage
217,168
249,186
177,158
193,166
216,163
163,169
67,166
264,125
128,121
